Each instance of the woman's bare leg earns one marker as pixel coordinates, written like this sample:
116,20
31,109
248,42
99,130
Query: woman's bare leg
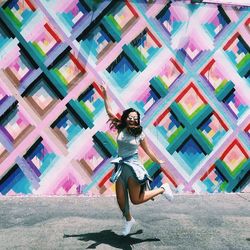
138,197
122,200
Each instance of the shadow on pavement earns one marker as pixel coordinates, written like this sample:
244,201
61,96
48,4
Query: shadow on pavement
108,237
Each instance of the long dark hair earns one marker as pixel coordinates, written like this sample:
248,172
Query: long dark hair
121,123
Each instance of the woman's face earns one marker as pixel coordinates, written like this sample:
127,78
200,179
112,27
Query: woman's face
132,119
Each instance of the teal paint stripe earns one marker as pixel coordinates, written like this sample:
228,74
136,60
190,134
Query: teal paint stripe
158,86
207,148
133,54
201,116
113,31
180,115
244,65
106,143
31,50
235,180
191,128
220,108
223,169
178,141
223,92
82,113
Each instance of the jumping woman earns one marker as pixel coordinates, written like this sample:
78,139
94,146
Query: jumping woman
129,175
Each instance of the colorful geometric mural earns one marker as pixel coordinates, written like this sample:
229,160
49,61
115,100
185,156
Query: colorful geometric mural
185,67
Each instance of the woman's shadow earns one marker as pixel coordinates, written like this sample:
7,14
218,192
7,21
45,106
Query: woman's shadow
108,237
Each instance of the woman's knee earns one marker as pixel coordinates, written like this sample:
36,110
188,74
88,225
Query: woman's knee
136,198
135,201
134,191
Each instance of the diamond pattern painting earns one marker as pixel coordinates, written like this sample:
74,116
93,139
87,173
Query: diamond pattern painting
185,67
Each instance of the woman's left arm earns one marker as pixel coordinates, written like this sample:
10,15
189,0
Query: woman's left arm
148,151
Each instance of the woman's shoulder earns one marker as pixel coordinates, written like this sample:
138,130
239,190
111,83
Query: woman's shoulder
142,135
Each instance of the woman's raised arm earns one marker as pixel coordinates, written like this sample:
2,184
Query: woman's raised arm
107,101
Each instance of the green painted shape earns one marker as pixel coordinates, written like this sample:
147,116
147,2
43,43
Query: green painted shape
60,76
112,28
223,90
233,177
176,134
106,143
182,136
201,115
148,163
194,114
132,53
13,17
191,126
244,61
181,115
191,122
36,50
203,142
223,186
159,86
36,46
223,169
241,171
86,109
237,170
221,86
114,22
82,113
112,140
244,65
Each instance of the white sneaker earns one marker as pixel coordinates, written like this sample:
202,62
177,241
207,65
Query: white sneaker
127,227
167,192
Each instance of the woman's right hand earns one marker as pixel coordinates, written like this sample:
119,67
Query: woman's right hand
103,87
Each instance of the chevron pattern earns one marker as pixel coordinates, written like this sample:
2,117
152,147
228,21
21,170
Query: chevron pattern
184,67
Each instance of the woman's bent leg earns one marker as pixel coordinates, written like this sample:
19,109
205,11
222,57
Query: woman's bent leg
122,199
137,196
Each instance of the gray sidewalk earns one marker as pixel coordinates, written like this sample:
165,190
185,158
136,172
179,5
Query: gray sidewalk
216,221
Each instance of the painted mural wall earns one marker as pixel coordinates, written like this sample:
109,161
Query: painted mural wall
184,67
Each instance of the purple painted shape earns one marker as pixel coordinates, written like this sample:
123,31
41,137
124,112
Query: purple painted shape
34,75
6,134
232,112
3,100
208,83
100,167
34,168
6,142
28,172
25,76
8,101
55,53
195,59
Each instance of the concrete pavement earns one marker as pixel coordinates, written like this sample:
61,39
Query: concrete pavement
213,221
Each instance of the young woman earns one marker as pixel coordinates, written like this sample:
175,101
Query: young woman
129,174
